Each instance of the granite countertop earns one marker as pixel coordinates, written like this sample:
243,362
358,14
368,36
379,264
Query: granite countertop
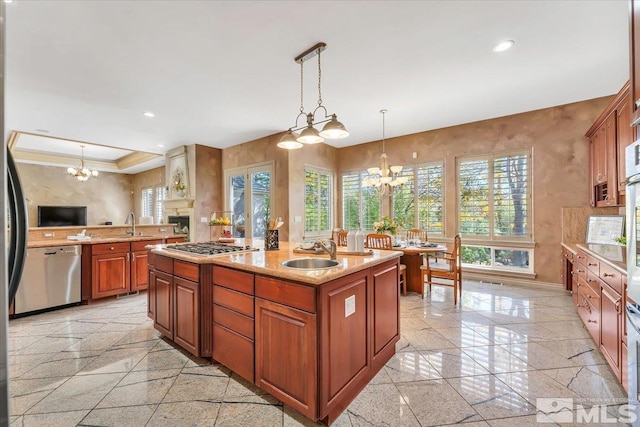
613,255
93,241
270,262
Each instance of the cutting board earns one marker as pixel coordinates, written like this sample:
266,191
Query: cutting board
366,252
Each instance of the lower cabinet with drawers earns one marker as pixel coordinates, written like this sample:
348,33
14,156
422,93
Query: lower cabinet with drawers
599,292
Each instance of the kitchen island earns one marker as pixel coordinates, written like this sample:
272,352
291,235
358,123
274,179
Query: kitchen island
311,338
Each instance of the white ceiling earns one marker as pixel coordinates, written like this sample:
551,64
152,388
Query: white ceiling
220,73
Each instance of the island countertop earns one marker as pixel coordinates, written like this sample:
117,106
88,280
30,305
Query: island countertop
270,262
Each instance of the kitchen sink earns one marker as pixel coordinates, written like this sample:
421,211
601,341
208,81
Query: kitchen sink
311,263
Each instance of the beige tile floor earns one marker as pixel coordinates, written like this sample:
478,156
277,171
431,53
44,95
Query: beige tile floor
482,364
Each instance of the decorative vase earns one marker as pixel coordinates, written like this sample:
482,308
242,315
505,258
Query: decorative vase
180,193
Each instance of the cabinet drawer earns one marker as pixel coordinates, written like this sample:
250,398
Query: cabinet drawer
141,246
567,254
186,270
233,279
234,351
296,296
163,263
232,320
581,257
110,248
579,270
237,301
589,315
593,265
612,276
592,289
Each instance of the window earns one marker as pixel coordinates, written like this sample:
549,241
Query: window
152,202
419,202
360,206
494,206
161,196
494,197
318,197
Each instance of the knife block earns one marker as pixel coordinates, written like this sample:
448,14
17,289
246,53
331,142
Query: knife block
271,241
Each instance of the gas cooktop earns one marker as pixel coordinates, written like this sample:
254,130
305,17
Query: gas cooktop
210,248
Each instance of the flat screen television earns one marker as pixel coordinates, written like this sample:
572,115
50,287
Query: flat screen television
57,216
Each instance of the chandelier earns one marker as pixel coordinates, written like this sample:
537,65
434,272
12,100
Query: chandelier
82,173
384,178
333,129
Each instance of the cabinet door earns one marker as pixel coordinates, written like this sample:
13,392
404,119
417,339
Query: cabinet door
163,285
635,59
625,137
386,309
611,327
111,274
600,154
139,270
186,332
610,166
286,355
151,296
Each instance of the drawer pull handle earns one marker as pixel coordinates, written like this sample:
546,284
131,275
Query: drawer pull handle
608,275
592,321
111,248
592,264
589,296
579,271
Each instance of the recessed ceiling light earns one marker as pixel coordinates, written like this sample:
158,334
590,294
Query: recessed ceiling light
148,114
160,145
504,45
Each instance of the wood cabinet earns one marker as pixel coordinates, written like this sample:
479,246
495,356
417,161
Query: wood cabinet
174,301
609,136
233,320
599,295
140,264
634,56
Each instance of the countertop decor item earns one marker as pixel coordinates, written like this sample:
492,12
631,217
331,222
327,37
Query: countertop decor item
333,129
384,178
82,173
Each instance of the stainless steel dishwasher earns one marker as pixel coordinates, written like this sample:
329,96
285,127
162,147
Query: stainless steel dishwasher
51,278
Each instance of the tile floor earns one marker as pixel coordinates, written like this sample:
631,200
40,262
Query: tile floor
483,364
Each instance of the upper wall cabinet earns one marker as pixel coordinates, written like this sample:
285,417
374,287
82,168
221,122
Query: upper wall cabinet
608,137
634,56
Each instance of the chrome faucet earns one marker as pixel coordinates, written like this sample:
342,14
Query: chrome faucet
331,250
131,217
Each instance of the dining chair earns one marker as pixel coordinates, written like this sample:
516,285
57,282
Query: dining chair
342,238
383,241
335,234
417,234
444,265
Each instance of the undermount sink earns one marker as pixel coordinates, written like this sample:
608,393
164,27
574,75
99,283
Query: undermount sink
311,263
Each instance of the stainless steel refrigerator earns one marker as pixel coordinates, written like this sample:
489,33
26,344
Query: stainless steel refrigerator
14,243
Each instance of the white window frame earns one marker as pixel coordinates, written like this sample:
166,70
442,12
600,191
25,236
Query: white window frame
493,266
416,191
492,238
330,205
361,176
156,204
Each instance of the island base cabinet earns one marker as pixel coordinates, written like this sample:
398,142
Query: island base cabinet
286,355
162,287
187,315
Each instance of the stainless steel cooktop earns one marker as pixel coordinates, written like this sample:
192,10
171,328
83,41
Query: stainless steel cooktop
210,248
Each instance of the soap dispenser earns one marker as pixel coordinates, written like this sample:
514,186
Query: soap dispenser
351,241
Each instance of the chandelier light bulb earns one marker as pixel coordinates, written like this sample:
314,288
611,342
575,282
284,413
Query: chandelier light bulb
82,173
310,136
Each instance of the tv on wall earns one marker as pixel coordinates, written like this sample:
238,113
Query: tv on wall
57,216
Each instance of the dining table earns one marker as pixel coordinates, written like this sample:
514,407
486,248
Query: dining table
412,258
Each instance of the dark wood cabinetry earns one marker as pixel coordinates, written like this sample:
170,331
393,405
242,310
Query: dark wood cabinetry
634,56
174,302
599,293
609,136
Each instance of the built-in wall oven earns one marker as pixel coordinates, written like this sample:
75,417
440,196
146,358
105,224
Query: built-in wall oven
633,273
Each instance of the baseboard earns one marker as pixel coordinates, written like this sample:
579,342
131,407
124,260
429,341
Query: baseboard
511,281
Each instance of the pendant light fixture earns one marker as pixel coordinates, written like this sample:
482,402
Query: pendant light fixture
82,173
384,178
333,129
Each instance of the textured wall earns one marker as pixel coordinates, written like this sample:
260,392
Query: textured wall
261,151
560,164
208,184
108,197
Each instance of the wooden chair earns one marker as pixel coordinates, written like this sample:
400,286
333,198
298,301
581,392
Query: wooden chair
447,265
335,234
383,241
417,234
342,238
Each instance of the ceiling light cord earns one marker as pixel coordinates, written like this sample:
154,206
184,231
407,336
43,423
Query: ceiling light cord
301,90
320,85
